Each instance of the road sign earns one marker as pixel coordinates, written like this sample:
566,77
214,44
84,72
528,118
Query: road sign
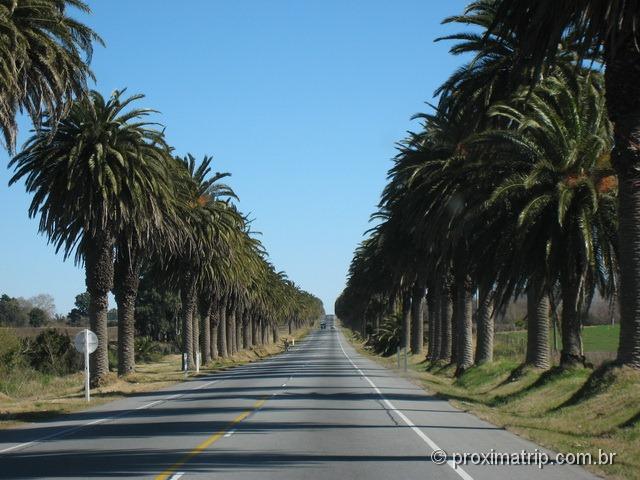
86,342
85,338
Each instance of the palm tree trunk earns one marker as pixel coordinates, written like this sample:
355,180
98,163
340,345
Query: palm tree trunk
222,328
214,328
571,353
195,318
99,280
484,348
446,324
247,329
205,337
276,334
434,324
622,85
239,311
464,321
231,325
254,329
125,289
417,325
454,324
376,322
265,332
538,353
188,298
406,321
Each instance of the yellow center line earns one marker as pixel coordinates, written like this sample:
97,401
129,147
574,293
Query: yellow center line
208,442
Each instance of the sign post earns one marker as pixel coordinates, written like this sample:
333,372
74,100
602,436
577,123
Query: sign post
86,342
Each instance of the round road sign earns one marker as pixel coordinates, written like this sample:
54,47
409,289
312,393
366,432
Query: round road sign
79,341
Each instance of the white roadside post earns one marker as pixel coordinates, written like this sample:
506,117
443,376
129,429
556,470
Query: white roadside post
87,394
86,342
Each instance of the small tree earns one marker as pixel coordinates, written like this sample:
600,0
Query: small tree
37,317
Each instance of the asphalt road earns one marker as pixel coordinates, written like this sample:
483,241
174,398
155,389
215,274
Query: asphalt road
320,411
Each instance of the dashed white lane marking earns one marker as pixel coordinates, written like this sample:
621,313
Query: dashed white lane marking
142,407
101,420
21,445
229,433
199,387
176,476
405,419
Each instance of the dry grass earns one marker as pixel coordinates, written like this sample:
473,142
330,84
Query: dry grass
31,332
34,396
578,410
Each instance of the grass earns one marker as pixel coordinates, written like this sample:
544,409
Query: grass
27,395
601,338
576,410
596,338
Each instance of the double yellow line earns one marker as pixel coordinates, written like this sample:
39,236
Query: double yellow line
209,441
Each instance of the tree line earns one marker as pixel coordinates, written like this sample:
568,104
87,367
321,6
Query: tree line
111,192
521,182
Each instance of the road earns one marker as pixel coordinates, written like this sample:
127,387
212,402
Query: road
319,411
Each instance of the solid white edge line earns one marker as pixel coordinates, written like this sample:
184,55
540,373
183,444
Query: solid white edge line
404,418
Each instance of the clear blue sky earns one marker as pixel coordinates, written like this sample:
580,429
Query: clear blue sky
302,101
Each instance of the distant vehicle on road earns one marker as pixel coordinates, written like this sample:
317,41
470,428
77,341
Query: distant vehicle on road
323,326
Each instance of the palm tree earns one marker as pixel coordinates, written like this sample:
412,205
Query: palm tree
208,220
140,242
44,55
91,175
608,27
559,190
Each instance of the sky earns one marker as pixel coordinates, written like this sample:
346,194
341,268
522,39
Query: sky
301,101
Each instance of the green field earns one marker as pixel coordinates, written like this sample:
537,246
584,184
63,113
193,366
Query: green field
598,338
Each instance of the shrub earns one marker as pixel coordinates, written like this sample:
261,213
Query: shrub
147,350
52,352
387,340
11,349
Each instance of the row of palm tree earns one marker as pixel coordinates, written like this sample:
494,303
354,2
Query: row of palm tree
510,188
110,191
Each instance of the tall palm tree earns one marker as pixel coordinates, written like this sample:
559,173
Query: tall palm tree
141,242
45,56
609,27
90,175
208,221
560,191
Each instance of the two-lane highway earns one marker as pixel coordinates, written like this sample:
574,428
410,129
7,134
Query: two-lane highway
320,411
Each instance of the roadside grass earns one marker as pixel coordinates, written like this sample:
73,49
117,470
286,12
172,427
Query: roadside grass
575,410
27,395
595,338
